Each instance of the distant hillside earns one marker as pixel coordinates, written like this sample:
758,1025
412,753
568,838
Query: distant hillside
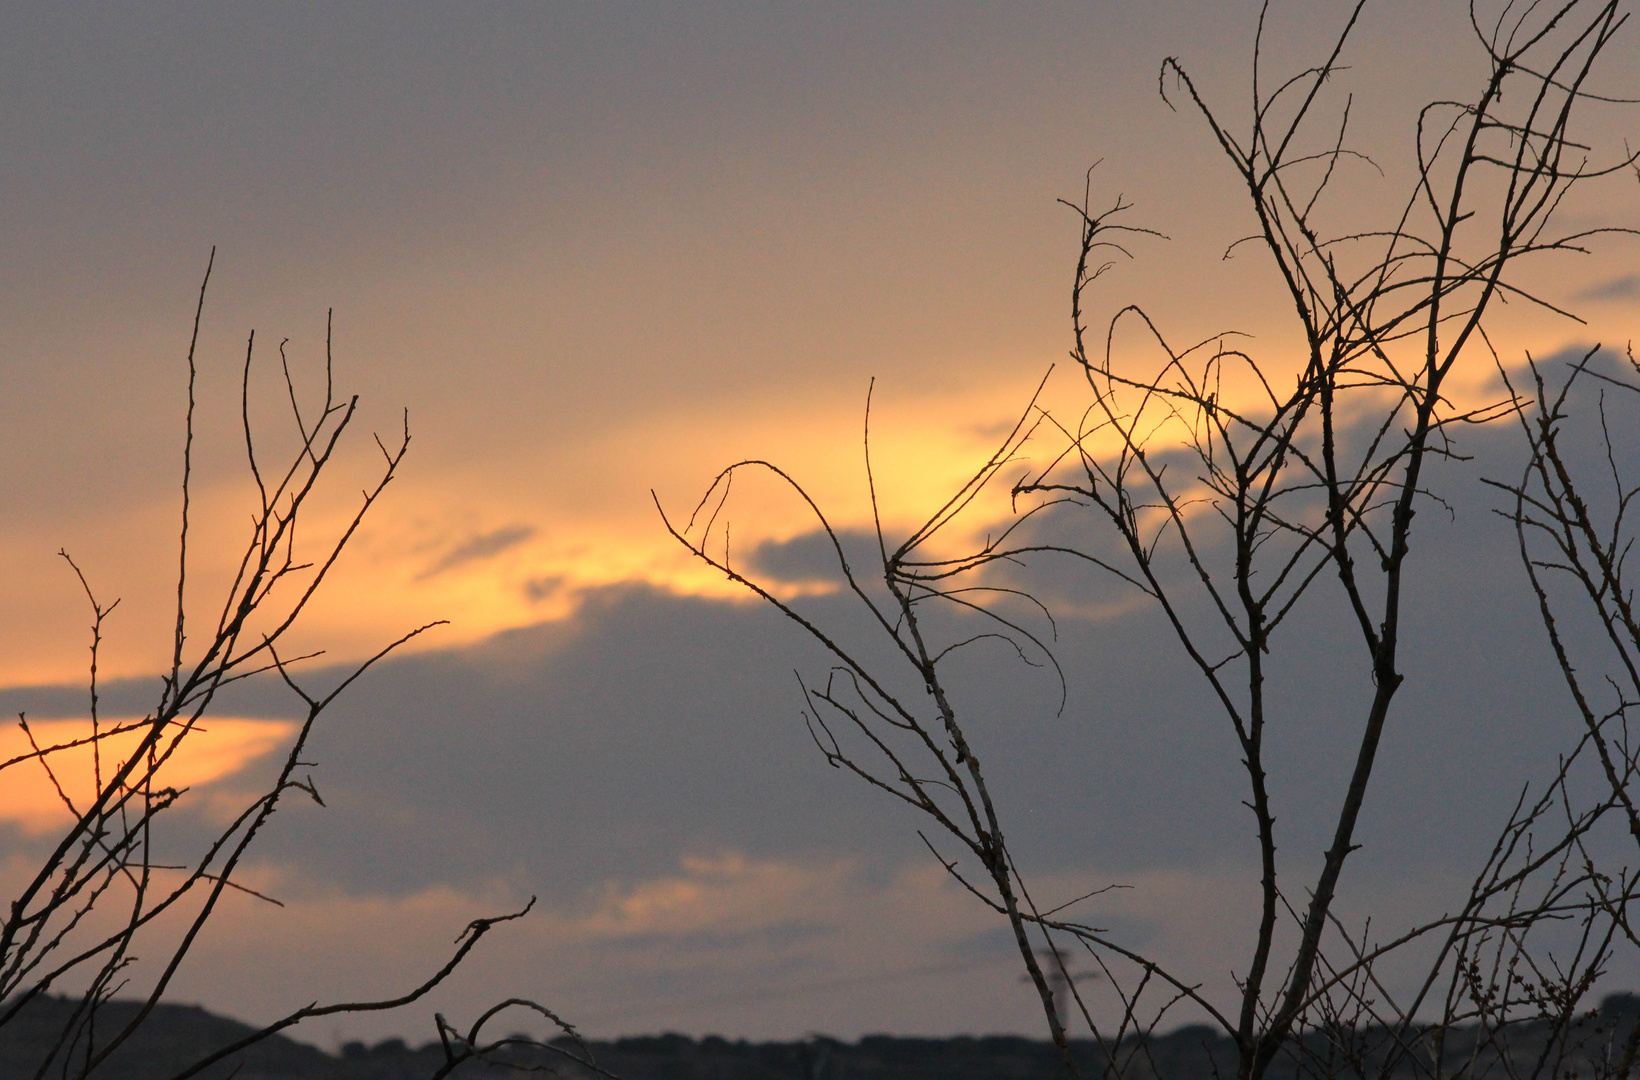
175,1036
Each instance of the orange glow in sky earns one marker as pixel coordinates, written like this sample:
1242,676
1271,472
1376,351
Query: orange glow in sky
597,253
30,797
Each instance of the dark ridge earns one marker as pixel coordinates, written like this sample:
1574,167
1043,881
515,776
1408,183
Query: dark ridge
172,1038
176,1036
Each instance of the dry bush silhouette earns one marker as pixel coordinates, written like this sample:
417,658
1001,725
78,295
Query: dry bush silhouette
105,892
1224,514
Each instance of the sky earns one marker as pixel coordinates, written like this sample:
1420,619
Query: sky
599,251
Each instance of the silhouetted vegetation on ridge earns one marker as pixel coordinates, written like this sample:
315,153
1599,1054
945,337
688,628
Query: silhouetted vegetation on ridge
177,1035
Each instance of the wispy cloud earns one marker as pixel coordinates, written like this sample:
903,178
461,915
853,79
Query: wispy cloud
545,587
480,547
1626,287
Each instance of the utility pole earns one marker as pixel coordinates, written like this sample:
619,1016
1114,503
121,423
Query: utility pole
1060,977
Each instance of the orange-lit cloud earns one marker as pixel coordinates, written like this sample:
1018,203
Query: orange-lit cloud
731,944
726,943
498,544
30,797
595,254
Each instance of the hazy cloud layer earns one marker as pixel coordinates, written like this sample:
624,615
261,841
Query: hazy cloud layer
1626,287
602,249
628,761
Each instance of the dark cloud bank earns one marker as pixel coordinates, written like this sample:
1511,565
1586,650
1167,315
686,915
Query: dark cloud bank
648,726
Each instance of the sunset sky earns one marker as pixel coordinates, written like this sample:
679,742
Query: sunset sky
599,250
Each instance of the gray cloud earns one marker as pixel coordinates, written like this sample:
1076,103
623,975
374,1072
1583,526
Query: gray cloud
1626,287
569,755
480,547
538,589
600,748
812,556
